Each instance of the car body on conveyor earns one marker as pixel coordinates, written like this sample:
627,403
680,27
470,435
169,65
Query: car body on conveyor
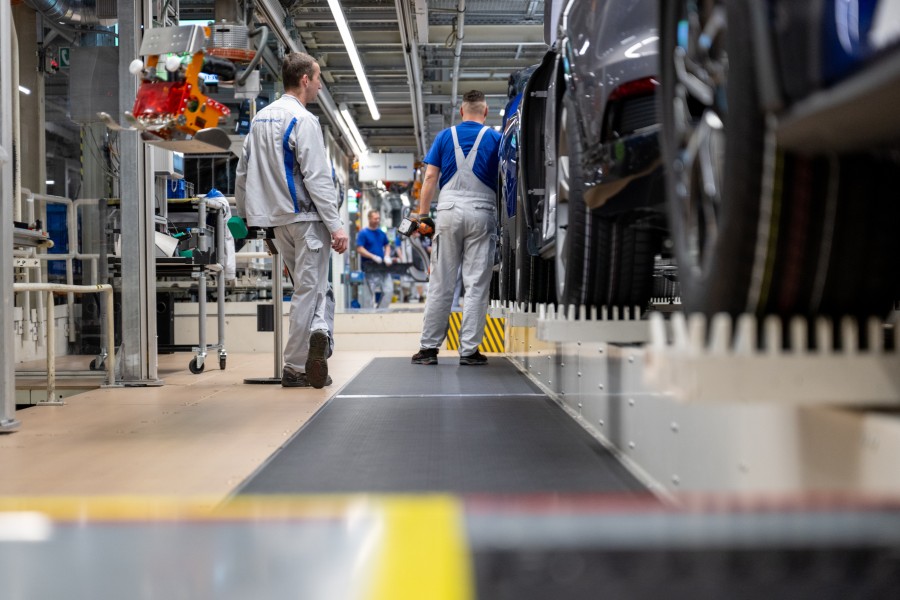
782,152
590,186
507,188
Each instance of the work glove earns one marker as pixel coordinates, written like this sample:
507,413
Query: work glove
426,226
377,259
387,259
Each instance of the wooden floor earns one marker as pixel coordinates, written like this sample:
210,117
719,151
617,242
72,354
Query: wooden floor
198,435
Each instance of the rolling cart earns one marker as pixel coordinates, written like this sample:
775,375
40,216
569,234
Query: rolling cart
196,259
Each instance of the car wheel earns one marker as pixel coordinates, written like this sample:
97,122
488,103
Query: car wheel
522,258
623,253
636,257
573,226
507,261
757,229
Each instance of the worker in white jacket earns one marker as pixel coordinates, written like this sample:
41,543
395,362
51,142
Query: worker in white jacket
284,181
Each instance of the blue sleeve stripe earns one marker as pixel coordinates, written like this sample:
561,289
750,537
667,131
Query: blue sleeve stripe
289,161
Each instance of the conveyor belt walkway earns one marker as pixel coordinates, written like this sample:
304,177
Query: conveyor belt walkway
400,428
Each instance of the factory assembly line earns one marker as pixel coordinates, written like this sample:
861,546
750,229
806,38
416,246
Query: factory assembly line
689,380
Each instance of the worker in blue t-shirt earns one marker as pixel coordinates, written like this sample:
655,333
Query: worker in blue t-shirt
373,246
466,157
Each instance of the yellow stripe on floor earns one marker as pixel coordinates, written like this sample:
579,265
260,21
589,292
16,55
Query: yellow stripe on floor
423,554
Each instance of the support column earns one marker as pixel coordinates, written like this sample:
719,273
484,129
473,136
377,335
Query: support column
138,294
8,421
32,121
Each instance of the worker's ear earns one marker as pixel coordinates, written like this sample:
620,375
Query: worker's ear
486,111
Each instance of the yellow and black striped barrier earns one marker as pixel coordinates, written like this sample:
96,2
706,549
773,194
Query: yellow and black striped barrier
493,333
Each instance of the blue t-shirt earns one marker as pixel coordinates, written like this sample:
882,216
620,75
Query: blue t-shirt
373,240
442,154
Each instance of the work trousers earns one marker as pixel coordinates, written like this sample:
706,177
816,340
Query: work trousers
305,248
378,280
466,234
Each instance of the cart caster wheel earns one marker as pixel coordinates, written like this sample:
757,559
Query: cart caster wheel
93,365
196,370
222,363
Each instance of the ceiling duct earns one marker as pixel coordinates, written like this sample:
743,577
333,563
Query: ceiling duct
457,52
413,72
77,12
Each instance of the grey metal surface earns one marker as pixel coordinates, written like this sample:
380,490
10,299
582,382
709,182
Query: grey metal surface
450,441
180,39
619,526
711,548
735,447
191,146
567,548
396,377
8,421
91,90
138,249
228,560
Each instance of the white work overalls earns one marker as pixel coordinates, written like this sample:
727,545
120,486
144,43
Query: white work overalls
465,234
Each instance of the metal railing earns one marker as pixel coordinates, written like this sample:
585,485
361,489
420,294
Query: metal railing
59,288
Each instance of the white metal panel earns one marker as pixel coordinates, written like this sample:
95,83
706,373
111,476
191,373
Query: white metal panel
726,446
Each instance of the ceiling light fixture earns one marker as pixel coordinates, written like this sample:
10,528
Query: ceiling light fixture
354,130
354,56
24,90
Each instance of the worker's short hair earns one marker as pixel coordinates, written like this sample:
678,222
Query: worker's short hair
294,67
372,212
474,101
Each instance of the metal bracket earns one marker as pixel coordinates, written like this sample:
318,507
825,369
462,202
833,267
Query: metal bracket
181,39
516,314
577,324
721,361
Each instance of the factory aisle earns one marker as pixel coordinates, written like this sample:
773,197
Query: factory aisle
402,428
399,482
198,435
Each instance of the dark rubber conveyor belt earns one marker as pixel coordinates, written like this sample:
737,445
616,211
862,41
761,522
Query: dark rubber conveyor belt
399,427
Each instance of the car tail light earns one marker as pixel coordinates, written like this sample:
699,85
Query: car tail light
640,87
630,107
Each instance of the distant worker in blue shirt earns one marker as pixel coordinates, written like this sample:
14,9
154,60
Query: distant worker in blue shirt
374,248
466,157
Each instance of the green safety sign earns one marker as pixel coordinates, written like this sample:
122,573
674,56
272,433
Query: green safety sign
64,58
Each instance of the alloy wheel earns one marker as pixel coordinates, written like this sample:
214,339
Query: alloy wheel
699,107
563,182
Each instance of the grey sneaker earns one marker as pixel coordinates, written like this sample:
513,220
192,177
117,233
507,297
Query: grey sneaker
425,356
316,361
292,378
476,358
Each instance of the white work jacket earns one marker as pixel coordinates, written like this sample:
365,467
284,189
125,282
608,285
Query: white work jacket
283,175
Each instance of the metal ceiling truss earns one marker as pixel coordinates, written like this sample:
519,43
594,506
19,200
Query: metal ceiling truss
409,49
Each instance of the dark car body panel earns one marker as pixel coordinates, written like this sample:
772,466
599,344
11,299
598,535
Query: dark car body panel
602,46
